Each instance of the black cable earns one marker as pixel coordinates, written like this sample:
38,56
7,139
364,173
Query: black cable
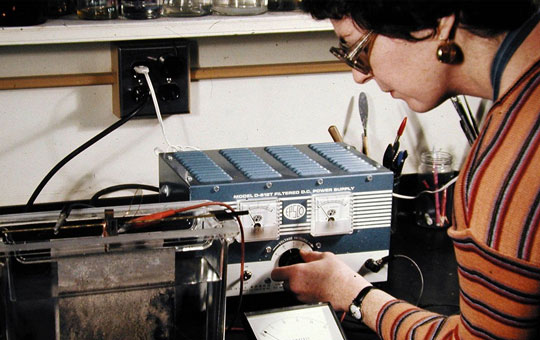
376,265
80,149
120,187
65,212
419,273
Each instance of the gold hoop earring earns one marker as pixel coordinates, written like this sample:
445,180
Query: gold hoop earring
449,52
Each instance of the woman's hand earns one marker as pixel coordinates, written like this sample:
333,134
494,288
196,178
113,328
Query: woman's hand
322,278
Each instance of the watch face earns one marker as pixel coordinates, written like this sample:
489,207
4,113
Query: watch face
306,322
355,311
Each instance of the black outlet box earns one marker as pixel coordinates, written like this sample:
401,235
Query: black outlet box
168,62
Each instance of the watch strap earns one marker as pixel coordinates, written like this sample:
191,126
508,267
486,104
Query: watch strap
356,305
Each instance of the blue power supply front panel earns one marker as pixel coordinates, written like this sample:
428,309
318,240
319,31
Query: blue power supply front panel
321,196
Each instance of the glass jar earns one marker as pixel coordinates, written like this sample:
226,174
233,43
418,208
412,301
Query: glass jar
434,209
186,8
97,9
23,12
282,5
141,9
239,7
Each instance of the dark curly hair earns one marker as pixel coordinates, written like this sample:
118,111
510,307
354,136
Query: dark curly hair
398,18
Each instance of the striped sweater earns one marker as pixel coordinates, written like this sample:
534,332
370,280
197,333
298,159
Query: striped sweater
496,232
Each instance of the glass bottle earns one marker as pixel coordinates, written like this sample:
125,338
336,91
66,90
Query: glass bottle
434,209
186,8
97,9
282,5
141,9
23,12
239,7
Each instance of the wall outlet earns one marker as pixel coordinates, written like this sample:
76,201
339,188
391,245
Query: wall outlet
168,62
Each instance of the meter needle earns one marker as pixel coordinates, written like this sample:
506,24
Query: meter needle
324,211
267,333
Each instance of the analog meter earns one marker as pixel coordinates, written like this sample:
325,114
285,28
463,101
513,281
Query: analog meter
263,219
309,322
331,214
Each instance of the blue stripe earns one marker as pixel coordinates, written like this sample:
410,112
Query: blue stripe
382,313
501,198
487,152
503,318
524,269
509,293
529,232
396,330
479,331
439,328
479,159
475,162
427,320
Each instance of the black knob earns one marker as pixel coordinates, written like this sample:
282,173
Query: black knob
289,257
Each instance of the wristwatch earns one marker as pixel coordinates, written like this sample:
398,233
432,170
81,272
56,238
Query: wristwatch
356,305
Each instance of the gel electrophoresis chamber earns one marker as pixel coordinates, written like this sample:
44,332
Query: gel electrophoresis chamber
99,276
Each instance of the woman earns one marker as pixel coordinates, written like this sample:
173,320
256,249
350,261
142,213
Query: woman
424,52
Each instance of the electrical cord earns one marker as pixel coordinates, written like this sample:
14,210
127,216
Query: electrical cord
376,265
444,187
115,188
145,71
80,149
65,212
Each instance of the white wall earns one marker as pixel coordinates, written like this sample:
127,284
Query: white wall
39,127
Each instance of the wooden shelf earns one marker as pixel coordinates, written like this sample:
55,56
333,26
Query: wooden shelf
70,29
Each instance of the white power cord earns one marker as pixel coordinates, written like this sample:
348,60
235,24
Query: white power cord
144,70
444,187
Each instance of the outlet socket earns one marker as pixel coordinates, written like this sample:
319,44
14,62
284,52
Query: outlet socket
168,62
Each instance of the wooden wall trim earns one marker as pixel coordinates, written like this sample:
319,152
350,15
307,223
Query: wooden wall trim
268,70
109,78
60,80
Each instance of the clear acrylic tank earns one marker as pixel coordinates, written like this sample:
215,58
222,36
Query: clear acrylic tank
99,276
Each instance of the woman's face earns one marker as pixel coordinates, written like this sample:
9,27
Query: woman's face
407,70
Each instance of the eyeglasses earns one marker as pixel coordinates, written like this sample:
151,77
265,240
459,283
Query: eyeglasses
356,57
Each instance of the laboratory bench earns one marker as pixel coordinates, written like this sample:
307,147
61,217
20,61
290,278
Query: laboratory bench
430,248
